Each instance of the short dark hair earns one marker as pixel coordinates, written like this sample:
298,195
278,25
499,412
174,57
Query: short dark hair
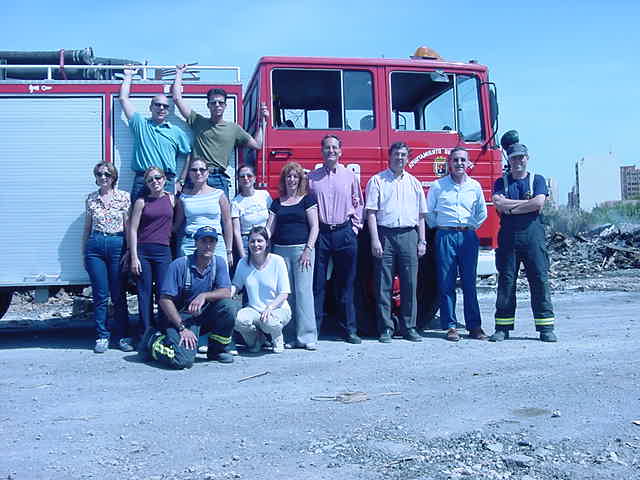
216,91
249,166
398,146
111,168
457,149
328,136
262,231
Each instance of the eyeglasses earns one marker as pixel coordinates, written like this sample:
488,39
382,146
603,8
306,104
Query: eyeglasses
217,102
161,105
103,174
246,175
198,170
154,178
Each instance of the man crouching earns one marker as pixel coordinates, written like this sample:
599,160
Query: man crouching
195,296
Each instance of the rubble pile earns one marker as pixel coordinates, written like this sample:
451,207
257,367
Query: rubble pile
604,248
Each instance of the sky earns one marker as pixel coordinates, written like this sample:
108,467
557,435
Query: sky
567,73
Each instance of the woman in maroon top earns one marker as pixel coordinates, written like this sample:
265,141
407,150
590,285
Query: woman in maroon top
149,240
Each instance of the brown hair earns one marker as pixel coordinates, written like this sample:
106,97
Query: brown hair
111,168
286,170
152,168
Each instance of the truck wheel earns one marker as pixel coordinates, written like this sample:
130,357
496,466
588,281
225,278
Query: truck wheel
5,301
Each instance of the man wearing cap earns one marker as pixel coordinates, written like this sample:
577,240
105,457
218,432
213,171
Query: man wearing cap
215,138
519,198
340,213
195,296
456,209
156,142
395,209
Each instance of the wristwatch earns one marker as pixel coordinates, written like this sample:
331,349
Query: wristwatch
181,328
422,242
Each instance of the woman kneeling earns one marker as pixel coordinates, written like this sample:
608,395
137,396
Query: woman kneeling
265,278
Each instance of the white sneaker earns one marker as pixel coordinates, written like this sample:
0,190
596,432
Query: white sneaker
278,343
102,345
126,344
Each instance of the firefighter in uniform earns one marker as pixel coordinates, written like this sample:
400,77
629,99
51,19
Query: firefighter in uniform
519,198
196,298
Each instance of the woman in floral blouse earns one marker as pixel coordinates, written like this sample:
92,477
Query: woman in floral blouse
103,244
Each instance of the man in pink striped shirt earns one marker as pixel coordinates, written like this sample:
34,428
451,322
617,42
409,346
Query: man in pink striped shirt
340,206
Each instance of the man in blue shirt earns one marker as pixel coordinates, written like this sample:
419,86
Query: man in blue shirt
156,142
519,198
456,208
195,296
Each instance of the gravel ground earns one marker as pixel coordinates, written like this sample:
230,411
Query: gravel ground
519,409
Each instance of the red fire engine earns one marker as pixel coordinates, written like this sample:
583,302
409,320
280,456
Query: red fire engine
61,128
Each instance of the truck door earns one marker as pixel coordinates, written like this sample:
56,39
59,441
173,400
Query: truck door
309,102
433,112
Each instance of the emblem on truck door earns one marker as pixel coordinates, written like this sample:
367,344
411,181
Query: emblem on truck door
440,166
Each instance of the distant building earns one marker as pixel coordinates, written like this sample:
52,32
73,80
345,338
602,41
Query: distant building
597,181
554,192
629,182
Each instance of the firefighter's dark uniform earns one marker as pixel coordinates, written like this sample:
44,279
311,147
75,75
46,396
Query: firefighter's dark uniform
521,239
183,283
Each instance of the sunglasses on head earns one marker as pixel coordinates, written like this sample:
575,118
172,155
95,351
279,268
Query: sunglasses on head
154,178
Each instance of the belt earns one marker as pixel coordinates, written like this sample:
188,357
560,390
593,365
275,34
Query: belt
397,229
330,227
456,229
105,234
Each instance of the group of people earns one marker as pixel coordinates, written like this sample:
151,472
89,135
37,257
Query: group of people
285,247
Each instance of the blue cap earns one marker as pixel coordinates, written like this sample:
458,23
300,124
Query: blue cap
516,150
206,231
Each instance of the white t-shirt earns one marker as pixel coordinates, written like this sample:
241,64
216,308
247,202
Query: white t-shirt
263,286
252,211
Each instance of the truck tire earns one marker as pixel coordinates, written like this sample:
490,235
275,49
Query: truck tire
5,301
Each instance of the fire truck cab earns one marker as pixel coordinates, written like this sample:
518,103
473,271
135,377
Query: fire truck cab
430,104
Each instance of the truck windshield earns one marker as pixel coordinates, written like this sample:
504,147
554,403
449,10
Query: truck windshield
323,99
428,101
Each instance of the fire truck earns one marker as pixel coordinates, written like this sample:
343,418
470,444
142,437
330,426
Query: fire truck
53,132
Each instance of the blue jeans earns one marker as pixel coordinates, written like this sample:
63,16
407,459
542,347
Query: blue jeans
457,252
154,259
102,262
218,180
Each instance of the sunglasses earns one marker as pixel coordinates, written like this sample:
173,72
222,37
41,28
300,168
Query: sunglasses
154,178
198,170
217,102
161,105
103,174
246,175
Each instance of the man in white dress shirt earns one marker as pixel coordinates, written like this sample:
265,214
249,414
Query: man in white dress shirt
396,207
457,208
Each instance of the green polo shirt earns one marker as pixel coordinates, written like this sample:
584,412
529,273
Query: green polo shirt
214,143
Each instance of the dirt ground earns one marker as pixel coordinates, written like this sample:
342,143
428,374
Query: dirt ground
520,409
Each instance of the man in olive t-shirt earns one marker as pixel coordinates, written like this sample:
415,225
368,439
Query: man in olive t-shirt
215,138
